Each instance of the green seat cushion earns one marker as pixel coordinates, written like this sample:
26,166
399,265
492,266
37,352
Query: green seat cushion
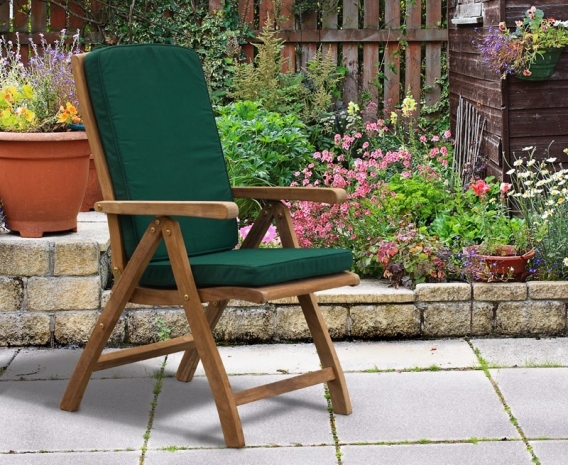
160,138
252,267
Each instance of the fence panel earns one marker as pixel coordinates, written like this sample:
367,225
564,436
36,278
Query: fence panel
367,45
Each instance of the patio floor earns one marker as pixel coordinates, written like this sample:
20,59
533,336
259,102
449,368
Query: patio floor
483,401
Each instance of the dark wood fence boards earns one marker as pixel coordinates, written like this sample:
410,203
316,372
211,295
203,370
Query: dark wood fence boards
519,113
367,37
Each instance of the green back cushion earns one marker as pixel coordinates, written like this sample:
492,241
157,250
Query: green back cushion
159,135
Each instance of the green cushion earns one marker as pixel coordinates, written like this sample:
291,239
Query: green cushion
159,135
252,267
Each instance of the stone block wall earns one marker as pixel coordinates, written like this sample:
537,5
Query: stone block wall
52,290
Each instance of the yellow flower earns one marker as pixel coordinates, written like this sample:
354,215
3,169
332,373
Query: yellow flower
68,115
408,105
565,262
393,117
28,91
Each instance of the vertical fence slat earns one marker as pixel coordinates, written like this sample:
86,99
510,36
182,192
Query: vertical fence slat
392,56
413,51
5,17
350,52
246,14
266,10
74,22
433,53
371,51
21,15
215,5
57,18
287,23
39,16
329,22
309,21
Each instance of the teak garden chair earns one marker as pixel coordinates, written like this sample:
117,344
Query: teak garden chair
173,226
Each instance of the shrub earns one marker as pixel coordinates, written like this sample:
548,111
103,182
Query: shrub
262,148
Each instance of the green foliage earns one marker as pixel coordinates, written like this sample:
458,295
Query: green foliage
261,147
216,37
164,331
308,94
417,196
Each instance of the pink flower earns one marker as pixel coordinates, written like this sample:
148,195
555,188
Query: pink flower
406,174
448,134
505,187
423,139
502,26
337,139
480,188
365,145
526,72
435,138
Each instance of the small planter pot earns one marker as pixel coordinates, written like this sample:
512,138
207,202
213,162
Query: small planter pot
544,66
507,266
43,177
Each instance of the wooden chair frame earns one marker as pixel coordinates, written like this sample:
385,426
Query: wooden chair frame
200,345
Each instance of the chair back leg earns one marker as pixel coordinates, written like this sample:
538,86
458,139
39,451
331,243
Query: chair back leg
190,358
338,387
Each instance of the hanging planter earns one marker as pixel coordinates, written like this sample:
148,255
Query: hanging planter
543,68
43,177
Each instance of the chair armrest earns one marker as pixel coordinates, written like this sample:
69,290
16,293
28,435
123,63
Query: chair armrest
214,210
314,194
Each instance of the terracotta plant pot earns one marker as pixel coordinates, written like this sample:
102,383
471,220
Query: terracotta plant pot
42,180
507,266
93,193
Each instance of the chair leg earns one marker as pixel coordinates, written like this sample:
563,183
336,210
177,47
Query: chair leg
190,358
203,338
328,357
121,293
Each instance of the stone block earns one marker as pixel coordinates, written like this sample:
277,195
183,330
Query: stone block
106,295
64,293
499,292
11,294
24,329
368,292
76,327
447,319
531,318
446,292
548,290
252,324
147,326
291,324
76,258
21,257
482,316
391,320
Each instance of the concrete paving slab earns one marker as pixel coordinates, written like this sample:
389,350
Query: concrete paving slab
425,405
354,356
6,356
113,415
186,416
72,458
537,397
261,456
259,359
482,453
551,452
523,352
91,217
52,364
400,355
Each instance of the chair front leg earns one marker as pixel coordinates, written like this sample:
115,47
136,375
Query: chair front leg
108,318
202,336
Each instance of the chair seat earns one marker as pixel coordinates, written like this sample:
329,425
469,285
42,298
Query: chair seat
252,267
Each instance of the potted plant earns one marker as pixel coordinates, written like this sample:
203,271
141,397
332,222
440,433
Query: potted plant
43,165
529,52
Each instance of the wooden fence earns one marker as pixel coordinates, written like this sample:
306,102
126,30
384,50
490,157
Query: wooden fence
385,45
